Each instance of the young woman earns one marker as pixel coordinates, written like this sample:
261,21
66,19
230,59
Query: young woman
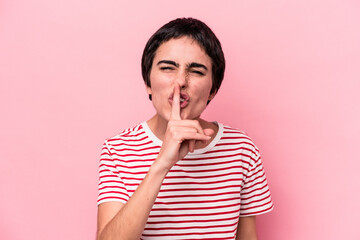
176,175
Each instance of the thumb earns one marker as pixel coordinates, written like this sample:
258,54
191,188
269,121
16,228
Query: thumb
208,131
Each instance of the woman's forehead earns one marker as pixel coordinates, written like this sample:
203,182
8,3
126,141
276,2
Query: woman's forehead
181,50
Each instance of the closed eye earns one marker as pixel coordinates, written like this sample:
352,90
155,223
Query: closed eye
167,68
198,72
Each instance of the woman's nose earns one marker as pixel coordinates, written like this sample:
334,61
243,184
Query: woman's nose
182,79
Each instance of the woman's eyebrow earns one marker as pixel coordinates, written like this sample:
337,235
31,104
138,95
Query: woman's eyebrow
190,65
197,65
168,62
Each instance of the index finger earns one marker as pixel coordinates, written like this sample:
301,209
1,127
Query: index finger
175,107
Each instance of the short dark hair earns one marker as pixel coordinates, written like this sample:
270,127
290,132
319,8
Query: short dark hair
194,29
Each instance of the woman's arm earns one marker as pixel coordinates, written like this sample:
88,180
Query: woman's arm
246,229
127,221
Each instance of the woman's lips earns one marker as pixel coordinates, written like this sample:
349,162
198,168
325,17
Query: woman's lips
184,100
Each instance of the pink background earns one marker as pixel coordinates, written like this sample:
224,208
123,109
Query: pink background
70,77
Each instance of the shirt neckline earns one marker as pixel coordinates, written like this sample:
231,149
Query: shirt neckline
212,144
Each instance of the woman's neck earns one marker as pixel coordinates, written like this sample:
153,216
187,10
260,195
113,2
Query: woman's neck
158,126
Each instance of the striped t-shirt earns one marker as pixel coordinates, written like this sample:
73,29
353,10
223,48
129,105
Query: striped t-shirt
202,196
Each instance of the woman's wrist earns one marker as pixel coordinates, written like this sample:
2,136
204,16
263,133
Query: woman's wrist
159,169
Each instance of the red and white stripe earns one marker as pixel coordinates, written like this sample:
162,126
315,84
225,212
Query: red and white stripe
202,196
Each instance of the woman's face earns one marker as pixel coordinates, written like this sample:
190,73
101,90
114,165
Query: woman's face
181,61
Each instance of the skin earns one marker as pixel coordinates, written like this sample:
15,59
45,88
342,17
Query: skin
180,66
181,62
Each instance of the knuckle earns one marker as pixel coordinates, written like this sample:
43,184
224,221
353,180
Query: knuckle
197,123
175,135
171,129
171,124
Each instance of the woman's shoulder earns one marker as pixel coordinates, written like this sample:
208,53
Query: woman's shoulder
237,136
132,133
233,130
229,131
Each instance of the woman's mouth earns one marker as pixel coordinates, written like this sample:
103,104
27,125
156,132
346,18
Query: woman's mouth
184,100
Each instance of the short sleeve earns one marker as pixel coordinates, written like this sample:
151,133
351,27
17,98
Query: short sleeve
255,194
111,187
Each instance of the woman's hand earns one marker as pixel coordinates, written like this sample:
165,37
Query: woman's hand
180,136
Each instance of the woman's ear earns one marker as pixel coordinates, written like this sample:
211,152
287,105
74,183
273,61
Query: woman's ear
148,90
211,96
